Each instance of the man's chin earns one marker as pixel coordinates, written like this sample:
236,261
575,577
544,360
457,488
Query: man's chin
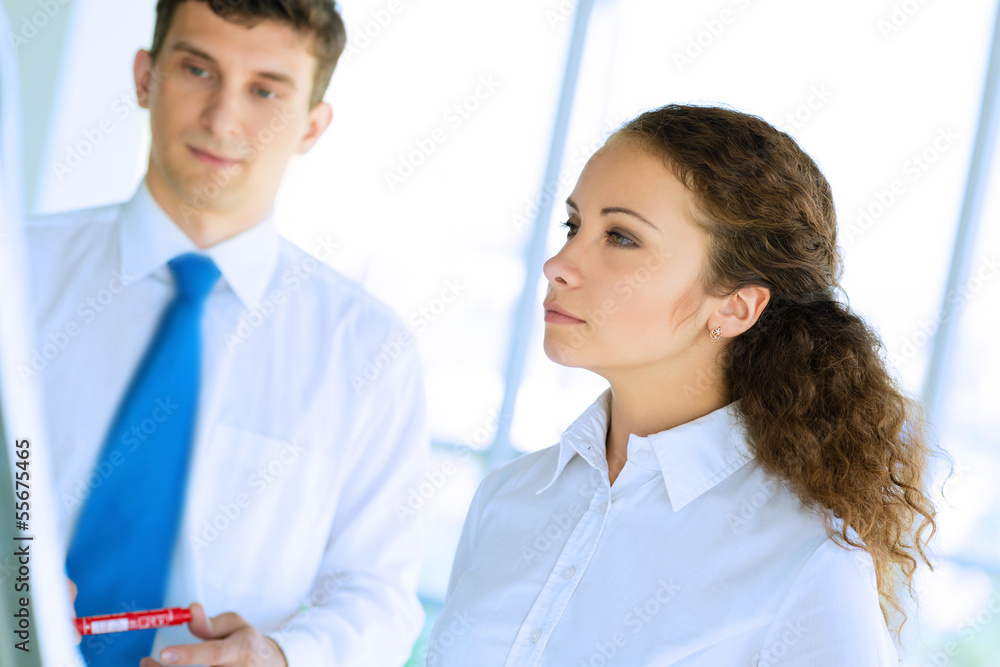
208,194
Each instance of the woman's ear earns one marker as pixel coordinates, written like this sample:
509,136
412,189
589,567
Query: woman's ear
741,310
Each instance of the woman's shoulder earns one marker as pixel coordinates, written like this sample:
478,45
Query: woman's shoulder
832,609
837,565
525,474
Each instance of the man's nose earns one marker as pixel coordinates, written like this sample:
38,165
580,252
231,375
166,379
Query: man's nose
222,114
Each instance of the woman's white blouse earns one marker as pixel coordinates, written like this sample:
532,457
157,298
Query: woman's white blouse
694,557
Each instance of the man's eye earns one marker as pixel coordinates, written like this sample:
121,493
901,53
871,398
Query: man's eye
266,94
197,71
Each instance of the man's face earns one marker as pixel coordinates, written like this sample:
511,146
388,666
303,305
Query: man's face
229,106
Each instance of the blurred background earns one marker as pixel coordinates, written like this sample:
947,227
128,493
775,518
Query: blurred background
460,127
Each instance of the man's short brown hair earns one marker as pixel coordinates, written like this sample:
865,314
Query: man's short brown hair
318,18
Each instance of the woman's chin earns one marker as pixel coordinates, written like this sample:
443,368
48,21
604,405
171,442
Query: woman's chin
561,352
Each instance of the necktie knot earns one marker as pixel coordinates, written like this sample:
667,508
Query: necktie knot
195,275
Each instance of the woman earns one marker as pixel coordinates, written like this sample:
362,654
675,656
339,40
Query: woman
750,490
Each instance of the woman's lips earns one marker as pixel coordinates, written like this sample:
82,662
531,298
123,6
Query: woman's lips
556,315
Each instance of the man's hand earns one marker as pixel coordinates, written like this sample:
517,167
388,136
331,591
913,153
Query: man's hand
72,602
229,642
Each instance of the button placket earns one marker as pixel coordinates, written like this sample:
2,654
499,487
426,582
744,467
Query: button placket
555,595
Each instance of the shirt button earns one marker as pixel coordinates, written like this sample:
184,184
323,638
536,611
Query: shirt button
535,636
603,508
642,456
569,572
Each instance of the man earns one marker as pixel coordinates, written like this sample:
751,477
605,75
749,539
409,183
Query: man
197,372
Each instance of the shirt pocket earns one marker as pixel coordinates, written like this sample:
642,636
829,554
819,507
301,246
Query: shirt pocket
247,533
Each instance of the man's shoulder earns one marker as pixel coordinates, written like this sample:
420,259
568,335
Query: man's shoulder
64,239
75,218
79,230
332,291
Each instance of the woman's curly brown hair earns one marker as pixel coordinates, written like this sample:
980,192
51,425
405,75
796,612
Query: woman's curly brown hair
821,409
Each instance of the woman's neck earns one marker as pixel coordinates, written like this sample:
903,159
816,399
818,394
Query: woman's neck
649,402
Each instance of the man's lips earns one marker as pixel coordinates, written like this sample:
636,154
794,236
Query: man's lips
556,315
212,159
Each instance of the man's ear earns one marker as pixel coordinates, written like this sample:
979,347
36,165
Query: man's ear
319,119
142,71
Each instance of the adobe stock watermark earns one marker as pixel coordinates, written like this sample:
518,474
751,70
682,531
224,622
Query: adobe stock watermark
626,288
748,508
317,597
434,480
635,621
899,16
134,438
361,36
791,634
247,151
559,524
33,24
320,594
970,628
526,216
803,113
705,380
958,297
419,321
93,137
911,171
231,511
98,643
291,279
711,30
557,14
454,118
58,339
458,625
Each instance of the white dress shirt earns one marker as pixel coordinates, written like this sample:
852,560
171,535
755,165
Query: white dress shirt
301,451
692,558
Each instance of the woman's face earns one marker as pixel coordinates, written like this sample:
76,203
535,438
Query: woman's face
624,291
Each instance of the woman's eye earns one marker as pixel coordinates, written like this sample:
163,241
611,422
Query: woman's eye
618,239
571,228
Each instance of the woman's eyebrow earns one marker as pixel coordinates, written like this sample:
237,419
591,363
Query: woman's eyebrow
613,209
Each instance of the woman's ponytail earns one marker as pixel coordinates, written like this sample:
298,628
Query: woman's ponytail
826,417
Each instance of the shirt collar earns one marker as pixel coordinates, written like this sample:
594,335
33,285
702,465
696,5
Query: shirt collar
693,457
149,238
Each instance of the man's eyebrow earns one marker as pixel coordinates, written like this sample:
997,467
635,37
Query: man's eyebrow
188,47
614,209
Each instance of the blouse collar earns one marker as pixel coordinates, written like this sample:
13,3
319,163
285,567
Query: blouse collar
693,457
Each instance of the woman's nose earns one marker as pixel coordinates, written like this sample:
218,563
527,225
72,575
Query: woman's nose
562,269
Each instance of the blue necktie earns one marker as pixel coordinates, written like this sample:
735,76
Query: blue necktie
121,549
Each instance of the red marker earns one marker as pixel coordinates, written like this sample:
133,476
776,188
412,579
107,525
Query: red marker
137,620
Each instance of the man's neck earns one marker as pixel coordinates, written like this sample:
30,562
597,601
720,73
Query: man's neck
205,227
